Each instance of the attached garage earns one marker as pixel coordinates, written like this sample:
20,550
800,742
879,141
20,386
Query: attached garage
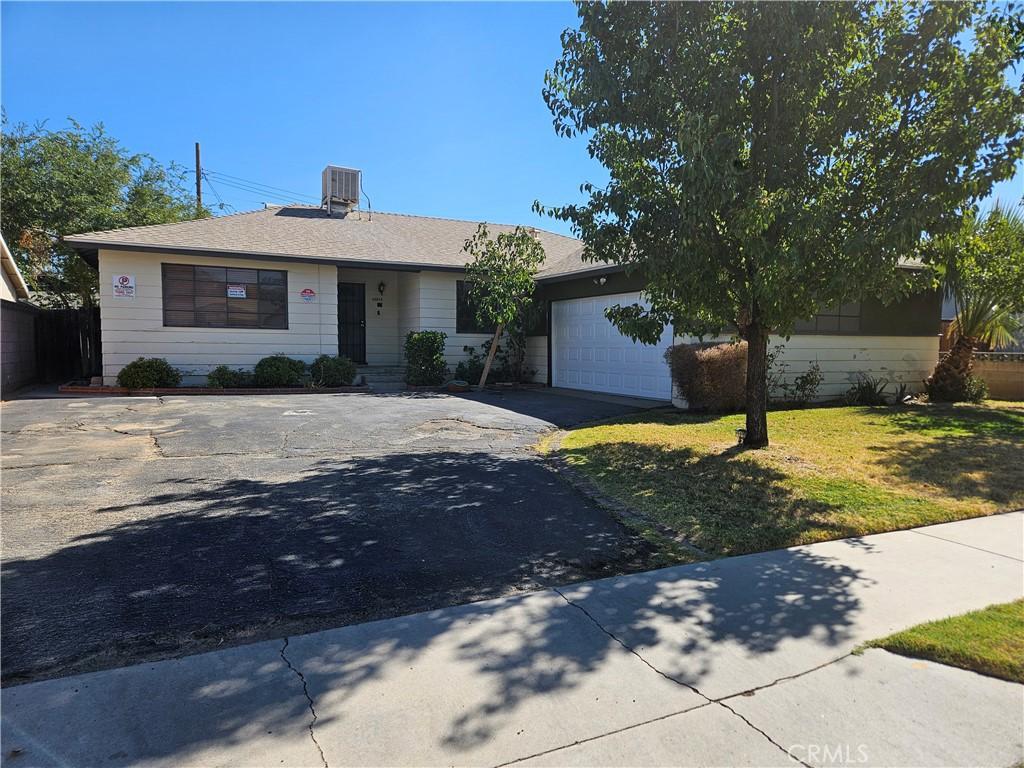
589,353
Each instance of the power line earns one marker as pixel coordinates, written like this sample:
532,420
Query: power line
216,194
230,180
265,192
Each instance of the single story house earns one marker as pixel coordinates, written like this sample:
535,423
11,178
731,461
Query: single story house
304,281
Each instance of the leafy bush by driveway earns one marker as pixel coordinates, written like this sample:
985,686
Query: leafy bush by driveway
332,371
278,371
424,358
223,377
148,372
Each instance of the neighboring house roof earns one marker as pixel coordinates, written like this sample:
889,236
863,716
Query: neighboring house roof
10,268
309,233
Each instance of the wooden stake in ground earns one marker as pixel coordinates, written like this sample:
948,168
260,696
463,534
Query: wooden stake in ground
490,355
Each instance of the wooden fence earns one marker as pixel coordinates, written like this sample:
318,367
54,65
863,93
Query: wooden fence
49,345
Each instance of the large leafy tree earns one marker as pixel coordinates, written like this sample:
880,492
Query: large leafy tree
78,179
501,279
769,159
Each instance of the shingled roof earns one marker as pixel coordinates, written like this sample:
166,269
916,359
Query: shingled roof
309,233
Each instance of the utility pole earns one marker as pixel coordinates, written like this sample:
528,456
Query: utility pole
199,182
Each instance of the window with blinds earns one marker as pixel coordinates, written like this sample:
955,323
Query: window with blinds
224,297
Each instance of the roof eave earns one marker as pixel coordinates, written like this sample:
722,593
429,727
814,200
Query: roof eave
88,249
10,267
603,269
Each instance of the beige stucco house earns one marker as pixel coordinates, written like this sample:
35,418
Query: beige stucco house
304,281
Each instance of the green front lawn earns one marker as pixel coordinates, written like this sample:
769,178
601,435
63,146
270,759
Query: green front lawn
989,641
829,472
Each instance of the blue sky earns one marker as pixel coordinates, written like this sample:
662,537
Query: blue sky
439,105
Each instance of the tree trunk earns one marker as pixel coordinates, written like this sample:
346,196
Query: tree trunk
757,387
948,382
490,355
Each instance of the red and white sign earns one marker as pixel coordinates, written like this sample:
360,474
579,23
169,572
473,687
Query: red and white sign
124,286
308,295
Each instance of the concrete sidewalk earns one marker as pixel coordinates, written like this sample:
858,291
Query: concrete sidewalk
741,661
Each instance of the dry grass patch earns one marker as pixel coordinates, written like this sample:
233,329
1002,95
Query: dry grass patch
829,473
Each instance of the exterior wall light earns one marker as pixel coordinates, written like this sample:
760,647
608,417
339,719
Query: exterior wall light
380,287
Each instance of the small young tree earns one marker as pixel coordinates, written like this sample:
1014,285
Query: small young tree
768,159
501,279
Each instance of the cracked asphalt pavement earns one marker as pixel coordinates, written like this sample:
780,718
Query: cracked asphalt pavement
748,660
144,528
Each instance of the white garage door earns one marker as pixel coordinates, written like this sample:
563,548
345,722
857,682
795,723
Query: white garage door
588,352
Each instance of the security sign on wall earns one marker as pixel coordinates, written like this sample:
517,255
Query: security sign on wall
124,286
308,295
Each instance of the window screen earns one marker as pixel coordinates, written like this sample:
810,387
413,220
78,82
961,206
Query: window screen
224,297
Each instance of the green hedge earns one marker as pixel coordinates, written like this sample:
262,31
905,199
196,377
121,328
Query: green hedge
279,371
223,377
147,373
424,358
332,371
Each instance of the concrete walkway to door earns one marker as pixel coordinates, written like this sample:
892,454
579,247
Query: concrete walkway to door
740,661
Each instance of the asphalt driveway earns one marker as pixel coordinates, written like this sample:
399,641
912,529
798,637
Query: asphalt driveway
138,528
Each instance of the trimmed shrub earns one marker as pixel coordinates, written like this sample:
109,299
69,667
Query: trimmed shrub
710,376
223,377
332,371
148,372
424,358
278,371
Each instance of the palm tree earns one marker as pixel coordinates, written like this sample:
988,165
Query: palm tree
984,273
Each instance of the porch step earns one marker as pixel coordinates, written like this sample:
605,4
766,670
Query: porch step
382,378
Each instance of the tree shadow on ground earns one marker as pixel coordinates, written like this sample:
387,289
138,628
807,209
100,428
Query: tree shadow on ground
965,452
207,559
725,503
387,535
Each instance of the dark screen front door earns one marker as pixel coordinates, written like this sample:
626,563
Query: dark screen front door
352,321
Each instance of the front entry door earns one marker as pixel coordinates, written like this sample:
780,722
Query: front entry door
352,321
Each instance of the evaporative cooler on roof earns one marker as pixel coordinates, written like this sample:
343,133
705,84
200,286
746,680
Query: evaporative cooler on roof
340,187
